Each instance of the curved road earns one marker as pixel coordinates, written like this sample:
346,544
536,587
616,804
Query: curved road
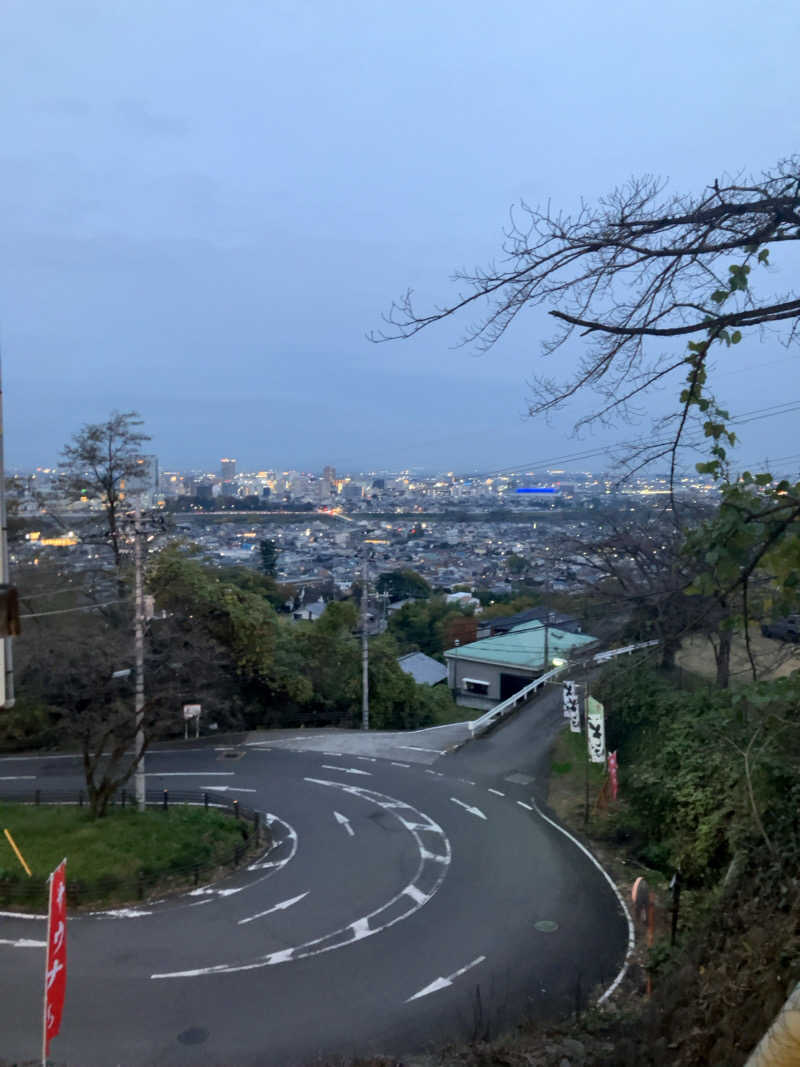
396,911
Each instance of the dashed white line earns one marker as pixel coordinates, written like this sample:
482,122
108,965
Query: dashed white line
406,765
18,778
496,792
345,770
419,748
522,804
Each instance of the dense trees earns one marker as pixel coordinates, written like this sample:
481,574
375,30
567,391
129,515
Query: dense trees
402,584
291,672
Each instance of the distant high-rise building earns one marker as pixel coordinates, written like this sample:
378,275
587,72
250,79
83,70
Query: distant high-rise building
227,469
143,485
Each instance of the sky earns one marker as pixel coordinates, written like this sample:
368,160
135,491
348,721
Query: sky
206,207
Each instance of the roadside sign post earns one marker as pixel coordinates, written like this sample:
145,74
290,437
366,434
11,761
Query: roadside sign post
55,971
191,711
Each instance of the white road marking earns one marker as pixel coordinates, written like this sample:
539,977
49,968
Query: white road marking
496,792
443,983
345,822
466,807
123,913
23,942
189,774
369,759
522,804
227,789
19,778
419,748
346,770
20,915
406,765
284,904
431,871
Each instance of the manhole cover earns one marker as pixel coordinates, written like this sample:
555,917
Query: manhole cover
231,753
195,1035
546,926
519,779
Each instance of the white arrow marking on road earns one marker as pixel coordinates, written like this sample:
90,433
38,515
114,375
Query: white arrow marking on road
23,942
443,983
345,770
278,907
227,789
466,807
345,822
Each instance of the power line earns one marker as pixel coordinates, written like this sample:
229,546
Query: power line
85,607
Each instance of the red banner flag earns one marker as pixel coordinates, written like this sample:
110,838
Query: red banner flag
55,980
612,774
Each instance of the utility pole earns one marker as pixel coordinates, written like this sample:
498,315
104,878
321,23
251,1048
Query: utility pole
139,659
364,645
7,665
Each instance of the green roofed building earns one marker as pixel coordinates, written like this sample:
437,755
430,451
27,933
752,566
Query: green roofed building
484,673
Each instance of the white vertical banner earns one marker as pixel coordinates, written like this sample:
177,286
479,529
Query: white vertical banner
595,730
575,711
570,698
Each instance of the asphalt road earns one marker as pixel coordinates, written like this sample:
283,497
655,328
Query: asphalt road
396,912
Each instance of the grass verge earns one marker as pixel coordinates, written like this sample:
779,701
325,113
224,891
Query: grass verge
116,858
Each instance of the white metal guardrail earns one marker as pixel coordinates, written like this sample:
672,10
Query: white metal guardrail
501,711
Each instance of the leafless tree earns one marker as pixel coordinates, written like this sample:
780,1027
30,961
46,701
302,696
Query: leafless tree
99,460
633,275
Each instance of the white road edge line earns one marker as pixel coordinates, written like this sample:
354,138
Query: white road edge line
419,748
522,804
443,983
620,898
189,774
23,942
19,778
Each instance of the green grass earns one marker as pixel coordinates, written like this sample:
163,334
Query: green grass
445,717
107,858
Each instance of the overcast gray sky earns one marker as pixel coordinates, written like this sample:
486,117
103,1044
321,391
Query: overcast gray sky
206,206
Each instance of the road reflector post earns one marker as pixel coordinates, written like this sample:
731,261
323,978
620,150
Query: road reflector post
205,801
166,799
80,798
19,855
236,808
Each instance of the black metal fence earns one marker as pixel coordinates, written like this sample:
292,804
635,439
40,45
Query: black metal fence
18,889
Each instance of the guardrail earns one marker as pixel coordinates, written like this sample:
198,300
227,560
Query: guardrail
501,711
21,890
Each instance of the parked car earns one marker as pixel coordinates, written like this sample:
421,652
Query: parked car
787,629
